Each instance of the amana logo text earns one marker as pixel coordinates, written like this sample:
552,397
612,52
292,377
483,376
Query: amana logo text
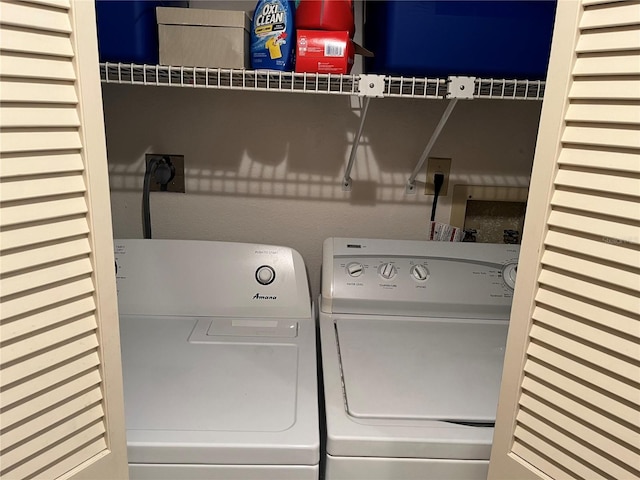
257,296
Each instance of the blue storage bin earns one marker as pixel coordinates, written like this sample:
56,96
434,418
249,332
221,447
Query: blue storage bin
128,31
499,39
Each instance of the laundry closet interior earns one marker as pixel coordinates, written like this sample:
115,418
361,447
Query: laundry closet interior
263,163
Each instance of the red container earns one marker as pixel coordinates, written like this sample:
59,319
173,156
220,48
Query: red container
334,15
321,51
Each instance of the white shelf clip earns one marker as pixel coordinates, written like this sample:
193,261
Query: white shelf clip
461,87
371,85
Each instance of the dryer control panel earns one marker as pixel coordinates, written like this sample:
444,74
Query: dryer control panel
413,278
207,279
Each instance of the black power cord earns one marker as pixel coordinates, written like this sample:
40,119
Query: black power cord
163,171
438,181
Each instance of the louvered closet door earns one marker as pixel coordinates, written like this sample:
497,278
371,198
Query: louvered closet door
570,400
61,413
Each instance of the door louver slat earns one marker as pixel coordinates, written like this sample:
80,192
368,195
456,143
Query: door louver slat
614,161
18,165
35,42
36,385
41,187
35,141
592,268
50,459
42,211
40,442
623,64
601,181
594,312
62,93
603,421
561,440
588,332
594,247
604,113
42,361
28,16
13,116
618,41
547,348
37,416
31,258
584,288
598,398
41,68
32,235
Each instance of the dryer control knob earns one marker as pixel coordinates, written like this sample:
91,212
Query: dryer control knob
265,275
355,269
419,272
509,273
387,271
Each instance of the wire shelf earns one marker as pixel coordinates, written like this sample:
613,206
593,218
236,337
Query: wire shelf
265,80
414,87
220,78
509,89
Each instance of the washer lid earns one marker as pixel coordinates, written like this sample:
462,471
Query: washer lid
425,370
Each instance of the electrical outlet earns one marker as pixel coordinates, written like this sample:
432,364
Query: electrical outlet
177,183
437,165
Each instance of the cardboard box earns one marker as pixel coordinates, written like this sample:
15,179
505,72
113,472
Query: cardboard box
322,51
204,38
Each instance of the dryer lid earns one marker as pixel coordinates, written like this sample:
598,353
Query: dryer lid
424,370
206,391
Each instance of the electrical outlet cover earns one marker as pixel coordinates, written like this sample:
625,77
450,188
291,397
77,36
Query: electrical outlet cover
177,183
437,165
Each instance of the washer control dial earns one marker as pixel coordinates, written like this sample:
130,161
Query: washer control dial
355,269
509,272
419,273
387,270
265,275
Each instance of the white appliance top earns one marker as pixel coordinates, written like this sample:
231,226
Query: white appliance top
201,278
413,337
211,374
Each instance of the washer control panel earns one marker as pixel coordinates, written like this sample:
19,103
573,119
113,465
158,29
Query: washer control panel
395,277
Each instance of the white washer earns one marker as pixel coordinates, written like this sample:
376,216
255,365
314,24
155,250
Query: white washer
413,337
219,361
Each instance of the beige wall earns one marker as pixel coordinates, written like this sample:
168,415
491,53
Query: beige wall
267,167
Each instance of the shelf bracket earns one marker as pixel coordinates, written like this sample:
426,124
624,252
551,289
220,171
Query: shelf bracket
410,188
346,181
461,87
371,85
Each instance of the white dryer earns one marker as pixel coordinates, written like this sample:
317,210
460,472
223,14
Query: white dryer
219,361
412,337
